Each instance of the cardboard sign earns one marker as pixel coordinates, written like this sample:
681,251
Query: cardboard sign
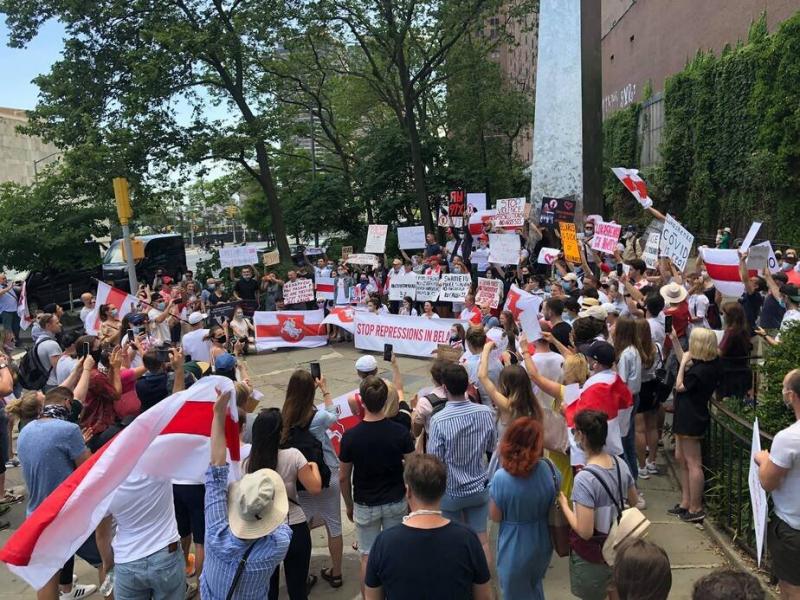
346,251
676,242
298,291
751,235
402,285
510,212
606,236
454,287
569,242
504,248
488,292
238,256
456,206
427,288
758,497
411,336
271,258
762,255
557,210
376,239
547,256
475,201
324,288
363,259
411,238
650,252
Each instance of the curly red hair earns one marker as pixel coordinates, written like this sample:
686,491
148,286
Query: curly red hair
521,446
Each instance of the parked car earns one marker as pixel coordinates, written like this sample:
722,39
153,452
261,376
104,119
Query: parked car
163,251
49,286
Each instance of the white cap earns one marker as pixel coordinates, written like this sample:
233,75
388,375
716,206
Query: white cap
196,318
611,309
366,364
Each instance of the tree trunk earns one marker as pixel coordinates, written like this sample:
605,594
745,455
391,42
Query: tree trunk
267,184
418,165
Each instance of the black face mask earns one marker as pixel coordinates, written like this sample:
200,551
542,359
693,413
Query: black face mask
221,340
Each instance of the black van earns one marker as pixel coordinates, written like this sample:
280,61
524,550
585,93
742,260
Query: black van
163,251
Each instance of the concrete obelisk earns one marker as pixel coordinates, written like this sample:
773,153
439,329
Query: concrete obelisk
567,128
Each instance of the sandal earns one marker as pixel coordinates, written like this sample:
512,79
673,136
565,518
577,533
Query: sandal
334,582
12,498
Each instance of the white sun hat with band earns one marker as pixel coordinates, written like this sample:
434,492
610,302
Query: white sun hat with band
257,504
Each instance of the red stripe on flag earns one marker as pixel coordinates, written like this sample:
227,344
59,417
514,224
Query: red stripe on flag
116,297
325,287
194,418
727,272
309,329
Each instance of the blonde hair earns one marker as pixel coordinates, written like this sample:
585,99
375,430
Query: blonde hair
576,369
392,406
703,344
26,408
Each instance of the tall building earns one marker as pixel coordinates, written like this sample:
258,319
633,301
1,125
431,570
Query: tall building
21,156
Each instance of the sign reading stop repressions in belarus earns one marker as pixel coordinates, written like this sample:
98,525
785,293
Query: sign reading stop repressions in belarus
676,242
510,212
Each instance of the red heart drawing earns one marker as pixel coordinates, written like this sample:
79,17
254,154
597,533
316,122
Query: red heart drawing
568,205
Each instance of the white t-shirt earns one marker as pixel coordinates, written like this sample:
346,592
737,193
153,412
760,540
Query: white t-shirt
64,367
698,307
481,258
790,315
550,365
145,514
85,313
290,461
785,453
160,331
194,345
657,331
430,316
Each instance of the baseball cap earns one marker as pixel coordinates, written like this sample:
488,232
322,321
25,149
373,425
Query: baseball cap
570,277
196,317
791,291
594,312
602,352
727,230
791,253
225,362
366,364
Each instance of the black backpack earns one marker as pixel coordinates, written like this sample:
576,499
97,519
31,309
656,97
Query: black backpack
32,374
310,447
437,403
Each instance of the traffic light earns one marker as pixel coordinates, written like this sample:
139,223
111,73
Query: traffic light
124,211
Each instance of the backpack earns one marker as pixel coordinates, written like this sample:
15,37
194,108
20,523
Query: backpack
32,374
437,403
310,447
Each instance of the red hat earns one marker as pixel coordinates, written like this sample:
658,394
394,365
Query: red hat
166,279
605,268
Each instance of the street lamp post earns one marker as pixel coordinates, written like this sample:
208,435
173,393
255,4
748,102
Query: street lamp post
41,160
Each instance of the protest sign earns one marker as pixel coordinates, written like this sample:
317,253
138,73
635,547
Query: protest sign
650,252
289,329
454,287
324,288
547,256
529,317
569,241
411,336
427,288
363,259
476,201
449,353
510,212
515,295
504,248
606,236
456,206
237,256
557,210
297,291
411,238
751,235
346,251
758,497
313,251
221,313
676,242
376,238
271,258
635,185
488,292
760,256
402,285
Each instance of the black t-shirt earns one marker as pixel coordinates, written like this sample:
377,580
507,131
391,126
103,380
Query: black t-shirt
213,299
152,388
246,288
561,332
376,450
691,415
751,304
434,564
771,313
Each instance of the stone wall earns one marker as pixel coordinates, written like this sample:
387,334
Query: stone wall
18,152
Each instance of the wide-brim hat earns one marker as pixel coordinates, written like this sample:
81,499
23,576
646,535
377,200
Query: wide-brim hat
257,504
673,293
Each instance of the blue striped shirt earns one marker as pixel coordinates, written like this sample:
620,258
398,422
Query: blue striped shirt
461,434
224,550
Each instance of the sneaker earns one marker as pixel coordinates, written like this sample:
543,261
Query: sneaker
651,468
78,591
677,510
690,517
11,463
641,503
643,473
191,590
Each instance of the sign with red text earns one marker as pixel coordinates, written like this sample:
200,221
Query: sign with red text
376,239
606,237
455,208
510,212
569,241
411,336
488,292
289,329
297,291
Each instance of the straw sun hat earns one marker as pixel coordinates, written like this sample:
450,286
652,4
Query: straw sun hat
257,504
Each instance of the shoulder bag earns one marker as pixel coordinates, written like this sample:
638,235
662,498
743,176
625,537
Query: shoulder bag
556,521
239,571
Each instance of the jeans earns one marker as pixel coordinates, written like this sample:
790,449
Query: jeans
629,442
160,576
472,510
371,520
295,565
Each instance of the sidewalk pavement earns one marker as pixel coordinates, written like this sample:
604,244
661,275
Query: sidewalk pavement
691,552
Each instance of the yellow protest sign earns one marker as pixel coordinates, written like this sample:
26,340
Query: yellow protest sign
569,241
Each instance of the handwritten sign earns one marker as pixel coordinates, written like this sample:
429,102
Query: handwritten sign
569,241
547,256
488,292
676,242
427,288
557,210
606,236
504,248
411,238
454,287
298,291
758,497
510,212
456,206
346,251
237,256
271,258
376,238
650,252
363,259
402,285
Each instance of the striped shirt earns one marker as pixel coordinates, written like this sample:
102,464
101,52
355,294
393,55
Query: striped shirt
224,550
461,434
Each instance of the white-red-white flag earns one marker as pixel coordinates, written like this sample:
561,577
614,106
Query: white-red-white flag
116,297
479,220
25,319
635,184
342,316
722,266
171,440
289,329
323,287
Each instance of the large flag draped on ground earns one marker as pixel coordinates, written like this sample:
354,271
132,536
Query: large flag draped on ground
106,294
723,267
171,440
289,329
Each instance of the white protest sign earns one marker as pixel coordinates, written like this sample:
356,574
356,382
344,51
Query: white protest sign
547,256
411,238
488,292
427,288
510,212
529,317
676,242
606,236
363,259
298,291
313,251
650,252
761,255
237,256
504,248
475,201
454,287
758,497
411,336
376,239
402,285
751,235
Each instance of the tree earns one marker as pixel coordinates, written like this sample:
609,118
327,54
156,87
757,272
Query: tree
128,66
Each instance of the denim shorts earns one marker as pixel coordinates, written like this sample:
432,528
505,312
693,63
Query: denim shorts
472,510
160,575
371,520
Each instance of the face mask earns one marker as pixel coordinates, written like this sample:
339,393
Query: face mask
247,277
221,340
782,303
239,315
211,286
114,313
161,306
567,286
341,273
363,280
456,270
